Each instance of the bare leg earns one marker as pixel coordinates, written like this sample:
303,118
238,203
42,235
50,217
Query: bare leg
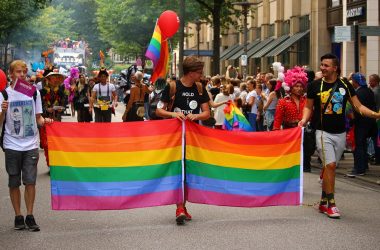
30,194
15,195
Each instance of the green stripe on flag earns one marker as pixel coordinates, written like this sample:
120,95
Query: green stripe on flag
241,175
115,174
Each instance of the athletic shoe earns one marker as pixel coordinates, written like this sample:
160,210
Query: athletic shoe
333,212
188,216
353,174
19,222
180,216
323,209
31,223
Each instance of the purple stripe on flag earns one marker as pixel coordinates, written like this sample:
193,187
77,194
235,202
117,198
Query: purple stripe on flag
116,202
214,198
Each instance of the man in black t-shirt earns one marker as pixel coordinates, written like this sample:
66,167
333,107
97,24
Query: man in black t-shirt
326,99
190,103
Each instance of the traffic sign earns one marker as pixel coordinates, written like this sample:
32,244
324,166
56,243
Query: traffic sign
342,34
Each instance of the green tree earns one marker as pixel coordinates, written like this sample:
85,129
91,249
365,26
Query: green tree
53,23
15,13
218,13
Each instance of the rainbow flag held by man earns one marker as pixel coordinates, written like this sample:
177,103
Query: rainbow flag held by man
234,119
117,166
158,52
243,169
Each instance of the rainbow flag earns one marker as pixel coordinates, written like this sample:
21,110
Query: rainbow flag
234,119
158,52
243,169
98,166
154,48
161,68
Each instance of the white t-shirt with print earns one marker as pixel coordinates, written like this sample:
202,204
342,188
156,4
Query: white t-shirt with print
21,132
254,105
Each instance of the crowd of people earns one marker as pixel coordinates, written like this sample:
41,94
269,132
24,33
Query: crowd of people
270,101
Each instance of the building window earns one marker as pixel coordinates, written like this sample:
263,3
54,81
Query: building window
285,27
303,52
304,23
258,33
271,30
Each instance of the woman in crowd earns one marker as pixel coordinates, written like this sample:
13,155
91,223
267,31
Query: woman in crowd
81,100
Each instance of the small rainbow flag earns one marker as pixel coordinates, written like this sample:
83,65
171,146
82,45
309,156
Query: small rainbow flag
243,169
154,48
235,120
120,166
158,52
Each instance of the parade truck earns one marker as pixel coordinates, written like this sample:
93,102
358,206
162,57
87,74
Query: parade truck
69,57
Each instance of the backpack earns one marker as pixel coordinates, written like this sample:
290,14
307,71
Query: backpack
153,106
5,95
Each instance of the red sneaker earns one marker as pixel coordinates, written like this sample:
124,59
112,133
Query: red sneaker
333,212
188,216
180,216
323,209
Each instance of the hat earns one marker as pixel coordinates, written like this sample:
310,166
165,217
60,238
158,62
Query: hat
55,74
103,71
360,79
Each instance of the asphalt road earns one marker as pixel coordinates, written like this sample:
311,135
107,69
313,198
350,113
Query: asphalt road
213,227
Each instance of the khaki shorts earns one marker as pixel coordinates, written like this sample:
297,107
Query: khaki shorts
333,146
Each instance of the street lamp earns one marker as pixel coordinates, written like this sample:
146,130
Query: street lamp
244,59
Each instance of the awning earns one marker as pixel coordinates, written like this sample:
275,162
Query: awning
270,46
292,40
241,52
259,46
233,52
228,50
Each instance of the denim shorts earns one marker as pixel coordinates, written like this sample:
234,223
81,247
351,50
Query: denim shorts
21,164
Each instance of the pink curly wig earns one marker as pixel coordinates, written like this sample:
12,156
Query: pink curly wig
294,76
74,73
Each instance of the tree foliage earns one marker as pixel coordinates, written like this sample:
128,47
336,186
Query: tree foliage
53,23
15,13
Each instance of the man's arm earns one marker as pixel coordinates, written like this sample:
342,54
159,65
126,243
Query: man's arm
363,110
204,115
92,100
162,112
307,111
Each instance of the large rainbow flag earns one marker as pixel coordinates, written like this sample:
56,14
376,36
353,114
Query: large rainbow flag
243,169
98,166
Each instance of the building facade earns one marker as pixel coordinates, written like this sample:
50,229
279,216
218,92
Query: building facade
295,32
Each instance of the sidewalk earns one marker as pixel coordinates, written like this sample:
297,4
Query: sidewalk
346,164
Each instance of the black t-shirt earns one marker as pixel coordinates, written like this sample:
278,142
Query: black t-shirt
187,99
214,91
334,115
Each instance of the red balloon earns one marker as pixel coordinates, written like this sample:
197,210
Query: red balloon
3,80
168,23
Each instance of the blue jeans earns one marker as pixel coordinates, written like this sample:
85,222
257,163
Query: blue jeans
252,120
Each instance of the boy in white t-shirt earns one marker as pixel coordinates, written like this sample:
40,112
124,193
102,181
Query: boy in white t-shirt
22,114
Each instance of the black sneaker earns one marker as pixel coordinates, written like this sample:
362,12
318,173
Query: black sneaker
353,174
31,223
19,222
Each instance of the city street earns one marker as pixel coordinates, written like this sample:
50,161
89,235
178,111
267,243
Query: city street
212,227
